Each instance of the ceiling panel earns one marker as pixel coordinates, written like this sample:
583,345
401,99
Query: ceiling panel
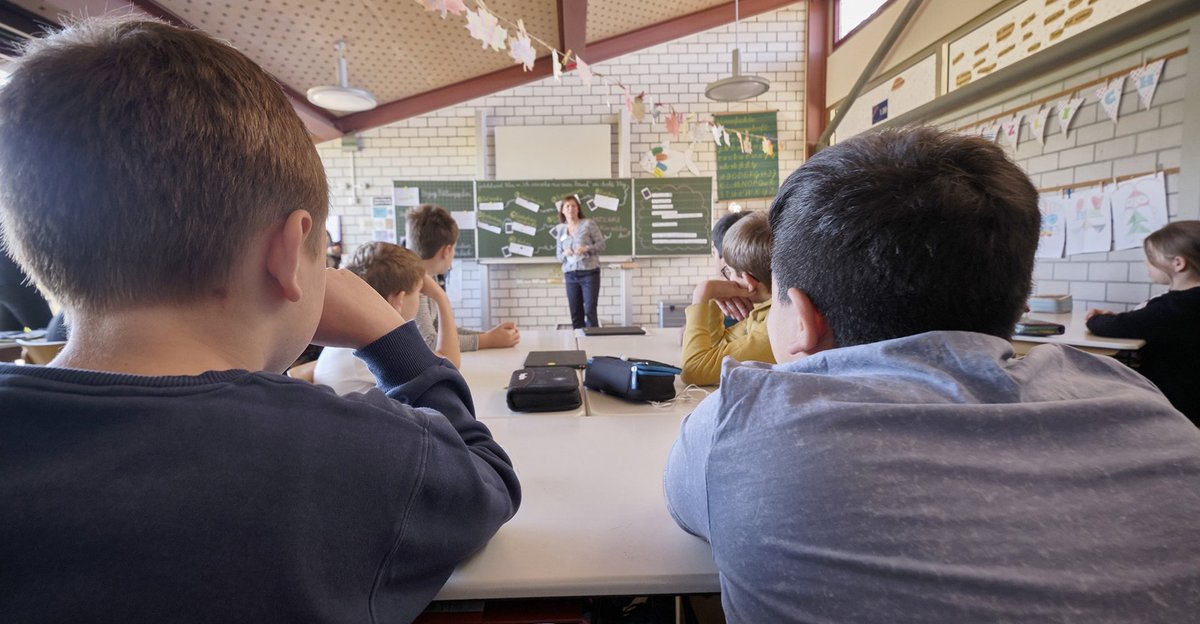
394,48
609,18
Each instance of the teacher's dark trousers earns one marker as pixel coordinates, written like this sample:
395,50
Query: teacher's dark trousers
583,287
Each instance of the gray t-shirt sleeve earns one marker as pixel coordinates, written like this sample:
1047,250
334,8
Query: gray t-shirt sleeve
468,339
685,478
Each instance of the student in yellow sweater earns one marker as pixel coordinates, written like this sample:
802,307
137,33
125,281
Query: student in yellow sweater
747,272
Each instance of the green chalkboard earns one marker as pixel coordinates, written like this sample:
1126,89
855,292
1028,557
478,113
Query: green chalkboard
747,176
457,196
673,216
515,217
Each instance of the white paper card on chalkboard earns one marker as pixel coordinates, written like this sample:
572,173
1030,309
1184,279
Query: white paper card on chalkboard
606,202
491,206
464,219
494,229
527,205
513,226
521,250
406,196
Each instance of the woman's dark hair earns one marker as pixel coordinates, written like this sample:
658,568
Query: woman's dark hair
901,232
575,198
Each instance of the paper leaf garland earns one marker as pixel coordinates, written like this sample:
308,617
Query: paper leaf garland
639,107
1066,112
521,48
768,148
674,120
485,27
1037,123
699,132
1109,96
585,72
717,133
557,65
747,144
1146,80
443,6
725,136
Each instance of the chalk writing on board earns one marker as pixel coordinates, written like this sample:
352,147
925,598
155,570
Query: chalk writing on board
747,175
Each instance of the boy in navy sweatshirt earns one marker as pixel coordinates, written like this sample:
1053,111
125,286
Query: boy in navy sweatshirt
161,469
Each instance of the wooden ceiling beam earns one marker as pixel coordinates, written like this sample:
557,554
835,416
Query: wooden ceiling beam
508,78
678,27
572,26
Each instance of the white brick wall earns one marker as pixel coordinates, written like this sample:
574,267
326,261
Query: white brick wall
1140,141
442,145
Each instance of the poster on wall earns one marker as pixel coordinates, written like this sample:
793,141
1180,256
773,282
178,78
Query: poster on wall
747,173
1088,220
1053,235
1024,30
904,92
383,219
1139,207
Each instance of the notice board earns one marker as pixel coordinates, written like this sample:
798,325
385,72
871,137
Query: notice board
516,217
747,176
456,196
673,216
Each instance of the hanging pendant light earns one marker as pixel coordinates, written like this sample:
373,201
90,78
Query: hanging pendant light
736,87
343,97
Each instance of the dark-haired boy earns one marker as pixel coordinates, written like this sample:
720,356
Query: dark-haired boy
431,233
899,464
161,470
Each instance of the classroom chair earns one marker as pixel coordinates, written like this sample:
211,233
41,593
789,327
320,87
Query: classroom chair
303,371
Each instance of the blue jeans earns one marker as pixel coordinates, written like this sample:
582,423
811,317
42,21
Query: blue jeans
583,287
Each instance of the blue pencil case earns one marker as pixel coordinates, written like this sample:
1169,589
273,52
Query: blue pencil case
633,379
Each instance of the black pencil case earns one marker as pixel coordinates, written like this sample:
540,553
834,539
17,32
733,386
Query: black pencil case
631,378
543,389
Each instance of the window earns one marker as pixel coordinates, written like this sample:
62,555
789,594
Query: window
849,14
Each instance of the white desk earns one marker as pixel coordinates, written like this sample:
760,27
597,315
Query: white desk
1076,335
593,518
488,371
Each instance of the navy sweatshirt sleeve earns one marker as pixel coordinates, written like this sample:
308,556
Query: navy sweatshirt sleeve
466,484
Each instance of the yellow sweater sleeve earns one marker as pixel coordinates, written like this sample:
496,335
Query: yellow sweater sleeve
706,342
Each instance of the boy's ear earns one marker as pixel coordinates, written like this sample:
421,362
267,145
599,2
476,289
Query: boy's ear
397,300
1179,264
812,333
445,251
286,252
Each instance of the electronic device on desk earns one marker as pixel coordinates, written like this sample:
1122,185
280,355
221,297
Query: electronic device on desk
613,330
1050,304
630,378
543,389
1033,327
569,359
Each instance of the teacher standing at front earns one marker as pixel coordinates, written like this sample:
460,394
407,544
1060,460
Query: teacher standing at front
580,242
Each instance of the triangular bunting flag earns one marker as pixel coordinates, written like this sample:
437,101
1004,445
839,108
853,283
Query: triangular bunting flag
1109,96
1011,129
1066,112
1146,81
585,72
1037,123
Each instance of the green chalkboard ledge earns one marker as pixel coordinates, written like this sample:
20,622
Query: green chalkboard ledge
605,260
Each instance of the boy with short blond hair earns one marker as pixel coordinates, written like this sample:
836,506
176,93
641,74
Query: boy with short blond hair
747,270
161,469
398,275
431,232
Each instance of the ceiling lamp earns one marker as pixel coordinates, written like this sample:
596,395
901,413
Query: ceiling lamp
736,87
342,98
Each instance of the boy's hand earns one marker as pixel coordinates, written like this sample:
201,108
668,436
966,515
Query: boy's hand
354,315
430,288
1094,312
737,308
501,336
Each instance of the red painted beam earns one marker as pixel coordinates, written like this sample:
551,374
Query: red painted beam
816,59
683,26
572,25
513,76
